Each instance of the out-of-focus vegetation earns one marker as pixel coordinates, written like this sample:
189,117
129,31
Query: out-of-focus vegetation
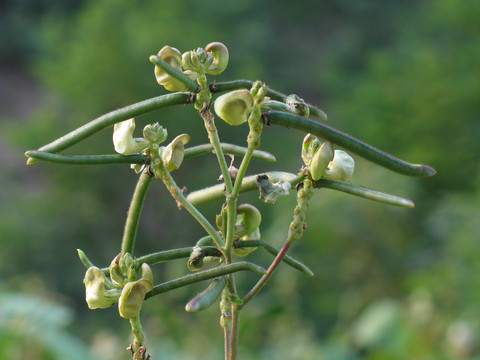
390,283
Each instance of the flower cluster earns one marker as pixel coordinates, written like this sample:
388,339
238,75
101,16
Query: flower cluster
122,286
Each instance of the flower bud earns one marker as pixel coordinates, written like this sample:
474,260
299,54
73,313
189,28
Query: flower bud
341,167
220,58
195,262
234,106
155,133
96,295
321,159
172,155
297,105
248,220
123,139
310,146
172,57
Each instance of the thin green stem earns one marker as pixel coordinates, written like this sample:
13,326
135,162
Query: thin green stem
140,158
271,93
189,83
215,141
272,250
114,117
364,192
234,332
163,256
348,142
87,159
204,275
177,194
228,149
133,215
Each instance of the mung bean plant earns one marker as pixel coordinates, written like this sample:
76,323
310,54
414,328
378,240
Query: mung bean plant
229,238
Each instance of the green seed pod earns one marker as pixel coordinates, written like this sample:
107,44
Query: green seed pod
220,58
248,220
321,159
244,251
297,105
172,155
131,300
341,167
96,295
310,146
207,297
123,139
172,57
234,106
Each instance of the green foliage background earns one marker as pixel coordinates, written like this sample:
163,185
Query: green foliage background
390,283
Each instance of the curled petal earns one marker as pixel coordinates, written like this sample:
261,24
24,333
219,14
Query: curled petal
248,220
172,57
172,155
123,139
220,57
341,167
322,157
310,146
132,297
244,251
96,295
234,106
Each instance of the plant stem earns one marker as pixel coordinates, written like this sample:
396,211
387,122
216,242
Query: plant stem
234,332
349,143
228,149
114,117
134,211
87,159
272,250
295,232
174,254
177,194
204,275
209,121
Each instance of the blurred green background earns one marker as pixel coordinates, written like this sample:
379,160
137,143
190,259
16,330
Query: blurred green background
390,283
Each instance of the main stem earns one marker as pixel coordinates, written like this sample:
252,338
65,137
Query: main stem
134,211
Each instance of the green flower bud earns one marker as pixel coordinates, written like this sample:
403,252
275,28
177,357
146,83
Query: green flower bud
310,146
207,297
96,295
123,139
297,105
147,273
172,155
248,220
220,58
321,159
341,167
234,106
244,251
172,57
155,133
